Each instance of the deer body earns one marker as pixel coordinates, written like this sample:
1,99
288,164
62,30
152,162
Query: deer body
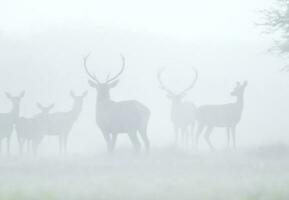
183,116
183,113
8,120
121,117
31,130
113,118
61,123
226,116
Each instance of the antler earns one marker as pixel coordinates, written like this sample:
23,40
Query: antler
119,73
91,75
162,86
192,84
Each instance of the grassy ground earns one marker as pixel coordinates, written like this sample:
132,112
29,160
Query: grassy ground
251,174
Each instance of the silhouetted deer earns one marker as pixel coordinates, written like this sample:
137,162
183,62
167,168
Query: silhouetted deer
31,130
7,120
183,113
61,123
118,117
226,115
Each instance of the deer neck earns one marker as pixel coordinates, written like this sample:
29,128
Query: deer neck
101,102
175,107
76,109
240,102
15,111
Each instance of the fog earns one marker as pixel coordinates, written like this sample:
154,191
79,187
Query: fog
42,49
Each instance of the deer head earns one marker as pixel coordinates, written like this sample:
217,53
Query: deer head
45,109
176,97
238,91
78,99
103,87
15,99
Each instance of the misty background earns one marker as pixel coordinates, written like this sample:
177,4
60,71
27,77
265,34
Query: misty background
42,45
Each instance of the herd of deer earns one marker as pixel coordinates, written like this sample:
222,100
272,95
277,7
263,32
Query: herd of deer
129,117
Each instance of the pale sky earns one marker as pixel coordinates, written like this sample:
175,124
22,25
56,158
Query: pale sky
185,19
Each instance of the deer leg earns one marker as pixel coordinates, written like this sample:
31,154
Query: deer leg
107,140
207,136
35,145
134,140
192,129
187,140
1,145
234,136
201,127
24,144
228,137
20,142
113,141
27,145
176,130
184,137
65,139
143,134
8,145
60,144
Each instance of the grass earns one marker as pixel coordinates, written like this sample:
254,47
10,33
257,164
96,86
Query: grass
251,174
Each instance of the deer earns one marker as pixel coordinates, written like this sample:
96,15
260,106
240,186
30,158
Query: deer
7,120
61,123
31,130
227,116
118,117
183,113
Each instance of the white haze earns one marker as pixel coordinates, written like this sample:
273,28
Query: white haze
42,44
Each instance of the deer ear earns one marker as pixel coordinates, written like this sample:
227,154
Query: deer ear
84,94
169,96
182,95
22,94
72,94
8,95
51,106
92,84
113,84
39,106
245,83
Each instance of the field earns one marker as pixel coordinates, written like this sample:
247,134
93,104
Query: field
247,174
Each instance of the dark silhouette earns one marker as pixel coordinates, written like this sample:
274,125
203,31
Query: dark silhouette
7,120
118,117
183,113
61,123
31,130
226,115
276,20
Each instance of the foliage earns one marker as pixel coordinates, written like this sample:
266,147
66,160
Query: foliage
276,21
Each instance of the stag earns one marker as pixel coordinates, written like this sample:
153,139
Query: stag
183,113
226,116
31,130
7,120
60,123
113,118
